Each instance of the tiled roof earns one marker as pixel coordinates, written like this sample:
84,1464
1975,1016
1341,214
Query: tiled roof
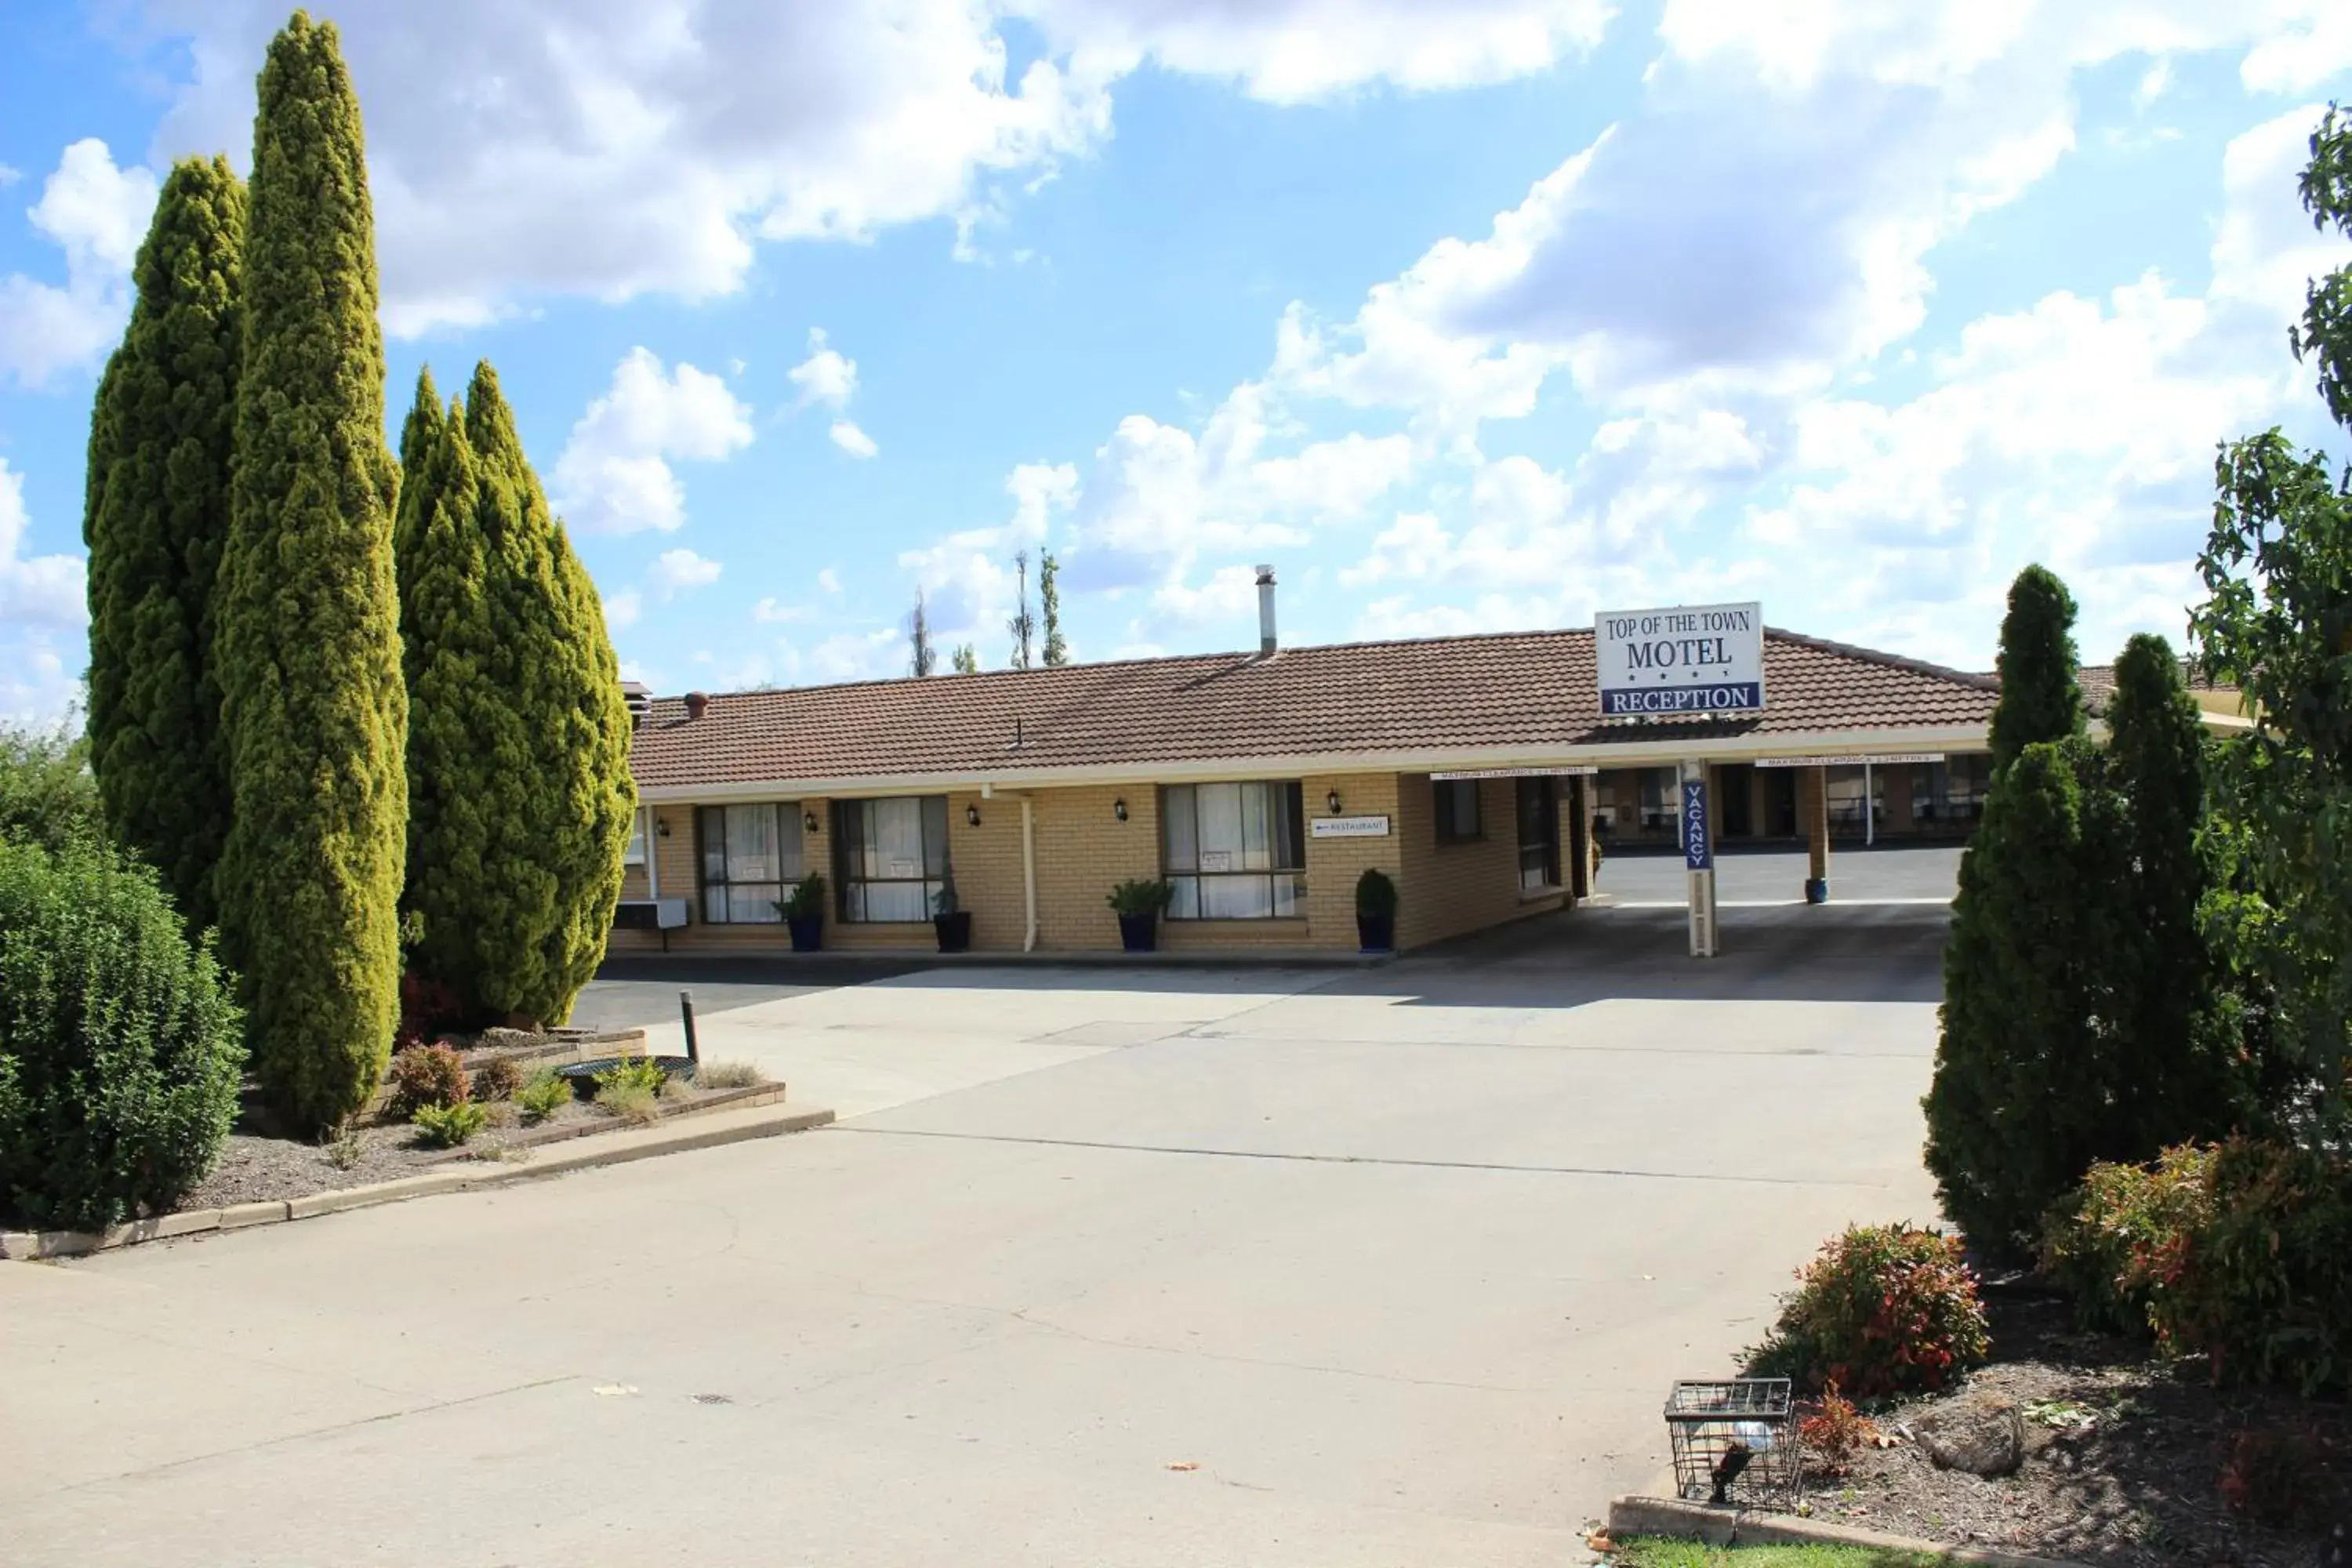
1534,691
2098,683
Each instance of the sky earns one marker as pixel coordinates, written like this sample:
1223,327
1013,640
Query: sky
1470,317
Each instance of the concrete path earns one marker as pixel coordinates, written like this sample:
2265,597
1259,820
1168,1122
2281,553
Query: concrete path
1907,873
1384,1268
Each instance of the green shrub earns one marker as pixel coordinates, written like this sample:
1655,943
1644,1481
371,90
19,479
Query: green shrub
2121,1245
1376,895
2268,1288
633,1072
496,1079
448,1126
806,900
546,1093
1883,1309
1140,896
120,1049
428,1075
631,1101
46,794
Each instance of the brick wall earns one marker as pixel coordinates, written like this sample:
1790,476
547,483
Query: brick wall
1449,888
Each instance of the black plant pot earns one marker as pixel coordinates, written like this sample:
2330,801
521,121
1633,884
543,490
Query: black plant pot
1376,933
955,930
808,931
1138,933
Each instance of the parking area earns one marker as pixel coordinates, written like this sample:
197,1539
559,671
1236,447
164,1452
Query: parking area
1895,873
1102,1266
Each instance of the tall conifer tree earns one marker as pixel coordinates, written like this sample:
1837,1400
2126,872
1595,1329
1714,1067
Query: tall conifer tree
2041,687
308,627
155,520
518,763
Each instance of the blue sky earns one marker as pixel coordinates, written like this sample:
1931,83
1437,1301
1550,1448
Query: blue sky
1467,318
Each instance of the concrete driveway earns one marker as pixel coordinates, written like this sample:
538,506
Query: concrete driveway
1389,1267
1886,873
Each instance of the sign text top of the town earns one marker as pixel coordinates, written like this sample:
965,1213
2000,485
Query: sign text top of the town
1693,659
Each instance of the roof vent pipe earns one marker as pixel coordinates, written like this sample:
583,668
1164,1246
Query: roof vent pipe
1266,642
697,703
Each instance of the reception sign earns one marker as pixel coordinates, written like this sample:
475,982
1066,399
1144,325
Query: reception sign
1694,658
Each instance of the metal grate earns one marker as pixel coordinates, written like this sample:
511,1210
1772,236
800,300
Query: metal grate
1734,1442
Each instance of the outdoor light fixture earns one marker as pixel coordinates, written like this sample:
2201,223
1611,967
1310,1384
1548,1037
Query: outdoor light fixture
1332,800
808,820
971,815
1118,808
661,827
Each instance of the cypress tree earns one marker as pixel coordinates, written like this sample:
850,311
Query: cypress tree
2170,1080
156,518
309,626
518,784
2019,1107
2040,688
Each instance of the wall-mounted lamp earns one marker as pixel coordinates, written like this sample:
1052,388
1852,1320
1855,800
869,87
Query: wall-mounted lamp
971,815
1118,809
1332,800
808,820
661,827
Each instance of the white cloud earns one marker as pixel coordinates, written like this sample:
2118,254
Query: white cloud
9,176
851,440
43,591
830,581
96,214
614,148
770,611
1229,595
677,571
824,376
621,610
614,475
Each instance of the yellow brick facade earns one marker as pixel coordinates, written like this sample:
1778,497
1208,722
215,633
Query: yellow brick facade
1083,848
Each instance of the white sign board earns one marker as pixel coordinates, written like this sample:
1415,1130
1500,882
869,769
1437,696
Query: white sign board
1520,774
1348,827
1893,759
1693,658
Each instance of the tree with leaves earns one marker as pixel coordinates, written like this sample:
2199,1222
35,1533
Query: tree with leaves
519,794
965,661
307,620
1049,600
1022,625
156,518
2277,624
2040,688
923,658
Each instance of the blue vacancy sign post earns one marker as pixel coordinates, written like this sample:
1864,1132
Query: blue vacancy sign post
1698,859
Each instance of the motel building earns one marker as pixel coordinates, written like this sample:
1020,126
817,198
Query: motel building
1260,786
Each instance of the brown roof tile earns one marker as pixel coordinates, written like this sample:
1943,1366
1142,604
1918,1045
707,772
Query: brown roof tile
1530,690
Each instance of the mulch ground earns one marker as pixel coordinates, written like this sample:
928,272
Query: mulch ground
2124,1464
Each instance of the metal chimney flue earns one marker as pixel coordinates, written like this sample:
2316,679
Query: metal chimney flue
1265,638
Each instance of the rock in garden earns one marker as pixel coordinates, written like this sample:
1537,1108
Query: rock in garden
1982,1436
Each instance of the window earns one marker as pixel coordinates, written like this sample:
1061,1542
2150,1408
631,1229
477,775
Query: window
1952,790
1457,811
1538,814
750,858
891,855
635,855
1233,851
1662,802
1846,803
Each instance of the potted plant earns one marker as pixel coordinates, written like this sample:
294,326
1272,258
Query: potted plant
805,912
1138,902
1376,908
948,916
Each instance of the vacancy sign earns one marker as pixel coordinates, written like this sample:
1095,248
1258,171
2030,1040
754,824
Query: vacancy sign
1695,659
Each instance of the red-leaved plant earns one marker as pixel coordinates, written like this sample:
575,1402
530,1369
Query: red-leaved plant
1883,1309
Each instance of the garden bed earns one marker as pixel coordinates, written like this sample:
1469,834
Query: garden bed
2123,1458
255,1166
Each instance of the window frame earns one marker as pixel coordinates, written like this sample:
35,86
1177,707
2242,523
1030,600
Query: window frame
789,851
853,887
1284,810
640,849
1543,848
1449,828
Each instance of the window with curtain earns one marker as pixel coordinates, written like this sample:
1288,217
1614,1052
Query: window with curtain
750,858
1539,835
1457,811
1233,851
635,855
890,856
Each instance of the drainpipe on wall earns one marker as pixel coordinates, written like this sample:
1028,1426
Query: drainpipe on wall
1028,861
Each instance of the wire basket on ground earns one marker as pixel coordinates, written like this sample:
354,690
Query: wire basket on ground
1735,1441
